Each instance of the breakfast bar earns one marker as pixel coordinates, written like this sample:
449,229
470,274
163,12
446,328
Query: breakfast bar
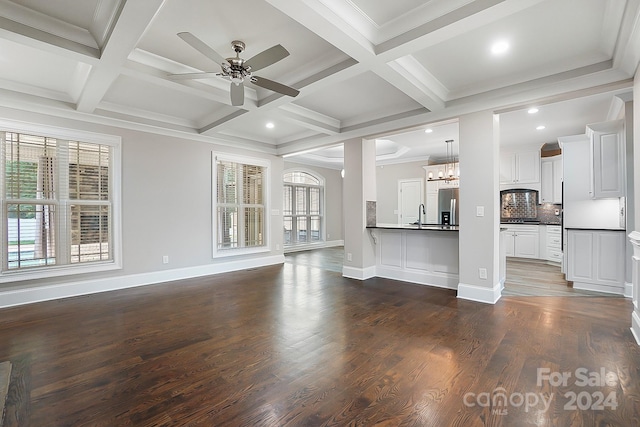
426,254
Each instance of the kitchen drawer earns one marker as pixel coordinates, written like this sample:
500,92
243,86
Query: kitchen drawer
554,229
554,255
554,241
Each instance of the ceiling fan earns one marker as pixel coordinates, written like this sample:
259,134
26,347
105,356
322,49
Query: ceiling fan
238,70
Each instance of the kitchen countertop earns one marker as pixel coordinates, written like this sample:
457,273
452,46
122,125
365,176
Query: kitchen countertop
530,223
595,229
427,227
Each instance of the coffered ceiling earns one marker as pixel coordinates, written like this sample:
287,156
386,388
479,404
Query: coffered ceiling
364,68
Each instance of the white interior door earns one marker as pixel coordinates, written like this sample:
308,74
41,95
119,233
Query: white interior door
410,195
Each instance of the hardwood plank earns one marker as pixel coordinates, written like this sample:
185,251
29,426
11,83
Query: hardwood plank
296,345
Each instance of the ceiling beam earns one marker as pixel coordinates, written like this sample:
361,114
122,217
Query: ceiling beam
134,18
309,119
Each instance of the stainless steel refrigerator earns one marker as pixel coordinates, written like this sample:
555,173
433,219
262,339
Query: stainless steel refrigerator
448,206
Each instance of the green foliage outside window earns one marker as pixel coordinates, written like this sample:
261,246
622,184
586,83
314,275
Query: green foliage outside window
28,173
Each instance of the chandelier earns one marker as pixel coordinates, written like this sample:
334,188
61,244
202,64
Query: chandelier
451,170
451,173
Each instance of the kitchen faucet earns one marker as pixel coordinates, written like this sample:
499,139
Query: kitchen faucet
421,205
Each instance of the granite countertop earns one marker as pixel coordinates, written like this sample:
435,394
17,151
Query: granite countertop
596,229
532,223
428,227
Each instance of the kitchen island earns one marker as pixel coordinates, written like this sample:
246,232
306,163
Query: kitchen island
427,254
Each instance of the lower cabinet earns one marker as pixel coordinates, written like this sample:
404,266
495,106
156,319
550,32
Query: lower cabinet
554,243
522,241
595,259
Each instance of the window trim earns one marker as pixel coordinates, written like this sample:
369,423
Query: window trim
115,142
222,253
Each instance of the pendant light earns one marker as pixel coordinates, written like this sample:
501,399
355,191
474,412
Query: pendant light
451,173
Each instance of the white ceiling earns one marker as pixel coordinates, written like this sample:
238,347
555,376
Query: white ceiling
364,68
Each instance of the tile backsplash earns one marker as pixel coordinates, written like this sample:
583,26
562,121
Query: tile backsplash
547,213
519,205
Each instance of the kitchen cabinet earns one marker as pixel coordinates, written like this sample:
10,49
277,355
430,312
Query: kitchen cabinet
522,241
551,179
595,259
520,168
553,243
608,157
431,208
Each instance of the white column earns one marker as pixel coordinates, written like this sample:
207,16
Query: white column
634,236
479,191
359,187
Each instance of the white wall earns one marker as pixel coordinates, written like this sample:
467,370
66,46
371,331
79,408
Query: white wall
166,210
479,185
332,196
387,177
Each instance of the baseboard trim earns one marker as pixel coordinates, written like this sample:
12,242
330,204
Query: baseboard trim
358,273
628,290
310,246
10,298
635,326
421,277
616,290
480,293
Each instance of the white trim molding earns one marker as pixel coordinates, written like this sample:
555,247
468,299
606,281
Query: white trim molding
480,293
358,273
309,246
634,238
10,298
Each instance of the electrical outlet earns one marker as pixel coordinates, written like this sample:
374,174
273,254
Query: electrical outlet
165,259
349,257
482,273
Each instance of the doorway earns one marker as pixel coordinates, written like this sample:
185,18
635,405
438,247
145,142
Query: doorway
410,196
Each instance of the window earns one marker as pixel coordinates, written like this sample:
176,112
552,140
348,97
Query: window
302,211
59,202
240,208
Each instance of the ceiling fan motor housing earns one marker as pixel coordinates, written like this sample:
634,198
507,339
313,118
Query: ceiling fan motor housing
238,46
237,69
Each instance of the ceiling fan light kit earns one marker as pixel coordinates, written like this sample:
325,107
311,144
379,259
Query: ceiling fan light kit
238,70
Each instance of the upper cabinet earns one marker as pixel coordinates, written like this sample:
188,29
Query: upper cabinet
607,148
520,168
551,179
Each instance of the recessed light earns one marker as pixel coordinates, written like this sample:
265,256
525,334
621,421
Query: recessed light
540,127
270,125
499,47
428,130
532,110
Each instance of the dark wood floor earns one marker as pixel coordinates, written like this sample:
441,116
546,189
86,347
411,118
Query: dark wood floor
299,345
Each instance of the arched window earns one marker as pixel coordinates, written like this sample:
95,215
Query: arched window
303,210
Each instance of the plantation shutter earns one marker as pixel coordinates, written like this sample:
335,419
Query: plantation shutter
89,202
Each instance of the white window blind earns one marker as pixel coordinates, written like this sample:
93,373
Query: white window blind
57,202
240,205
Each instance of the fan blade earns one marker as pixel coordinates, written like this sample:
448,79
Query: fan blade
237,94
267,57
193,76
274,86
202,47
